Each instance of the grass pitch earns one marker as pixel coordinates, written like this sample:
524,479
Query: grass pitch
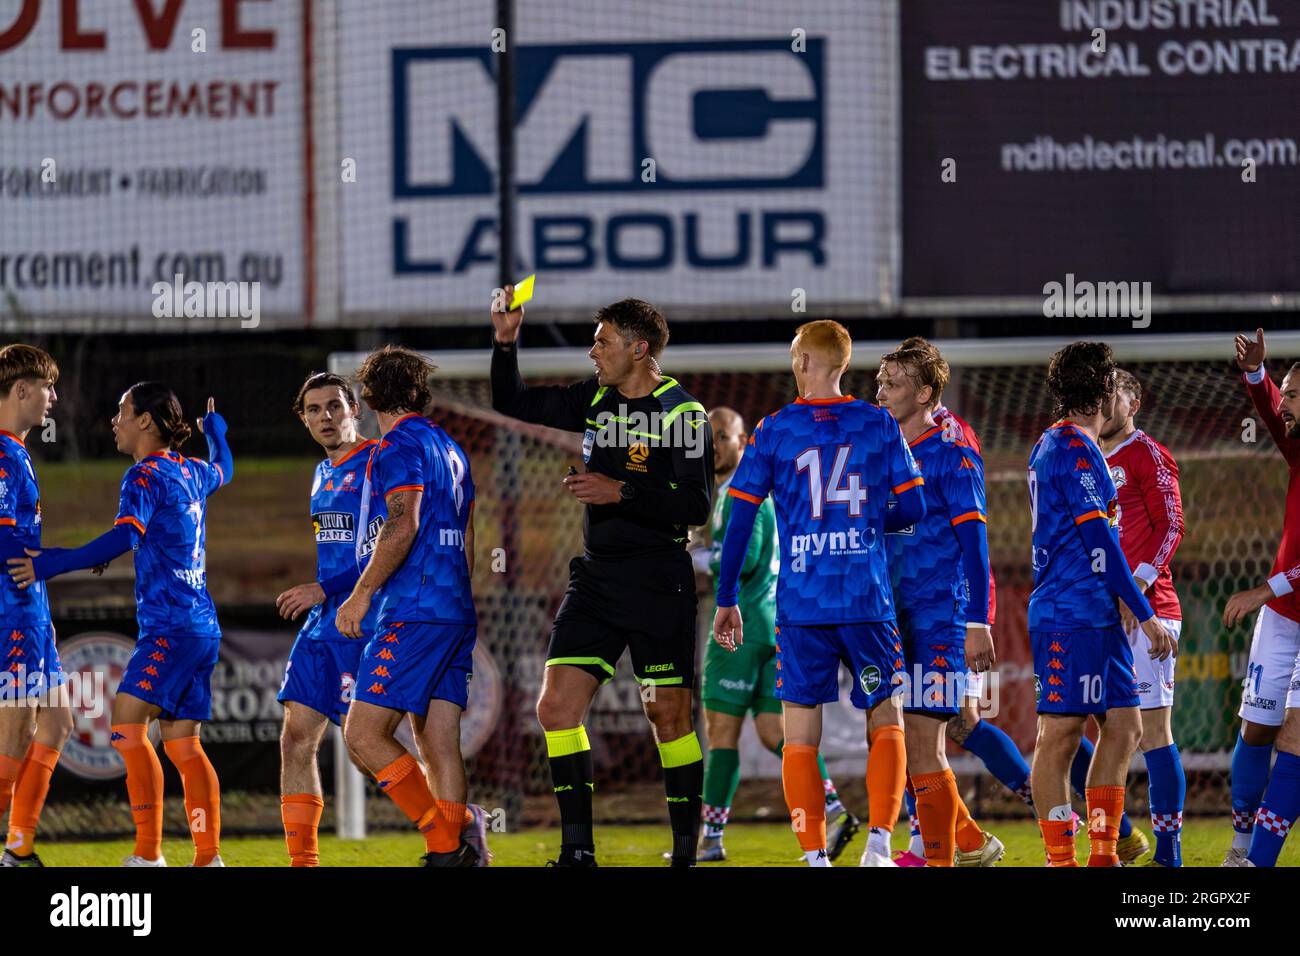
748,844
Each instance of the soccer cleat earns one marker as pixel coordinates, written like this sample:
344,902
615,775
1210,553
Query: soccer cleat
709,851
988,854
875,859
1132,847
907,858
578,858
215,861
141,861
13,859
460,858
1235,857
844,827
475,834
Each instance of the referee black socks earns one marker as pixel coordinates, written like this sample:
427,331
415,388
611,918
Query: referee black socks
684,786
569,754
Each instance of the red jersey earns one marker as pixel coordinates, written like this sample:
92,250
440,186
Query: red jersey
1266,399
941,417
1150,515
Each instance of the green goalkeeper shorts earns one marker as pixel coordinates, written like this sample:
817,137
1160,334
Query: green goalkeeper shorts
738,682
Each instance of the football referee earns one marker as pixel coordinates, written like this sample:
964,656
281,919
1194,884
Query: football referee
648,453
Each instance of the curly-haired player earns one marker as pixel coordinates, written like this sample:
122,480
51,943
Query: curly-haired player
1083,664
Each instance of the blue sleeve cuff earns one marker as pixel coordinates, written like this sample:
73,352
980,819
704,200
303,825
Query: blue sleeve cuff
739,528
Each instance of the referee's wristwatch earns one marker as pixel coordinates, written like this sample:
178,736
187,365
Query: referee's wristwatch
627,491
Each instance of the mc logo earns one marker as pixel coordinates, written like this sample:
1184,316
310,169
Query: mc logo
715,114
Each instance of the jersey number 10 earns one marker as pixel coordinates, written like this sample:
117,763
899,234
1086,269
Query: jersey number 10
852,494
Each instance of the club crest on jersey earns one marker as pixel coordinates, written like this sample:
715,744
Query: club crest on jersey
1119,476
1112,513
869,679
333,526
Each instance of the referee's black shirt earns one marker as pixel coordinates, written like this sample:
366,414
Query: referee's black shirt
665,452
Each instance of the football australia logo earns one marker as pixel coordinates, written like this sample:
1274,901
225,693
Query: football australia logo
637,453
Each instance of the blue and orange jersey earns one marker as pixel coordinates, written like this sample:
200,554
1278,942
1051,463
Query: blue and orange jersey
164,501
432,585
1069,483
925,561
830,466
345,524
20,509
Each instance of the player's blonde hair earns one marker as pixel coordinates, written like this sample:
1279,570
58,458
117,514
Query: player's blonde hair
827,339
923,365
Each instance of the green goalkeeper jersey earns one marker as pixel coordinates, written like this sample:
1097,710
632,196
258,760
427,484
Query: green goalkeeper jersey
757,595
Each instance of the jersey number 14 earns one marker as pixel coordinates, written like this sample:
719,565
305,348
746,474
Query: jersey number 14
834,492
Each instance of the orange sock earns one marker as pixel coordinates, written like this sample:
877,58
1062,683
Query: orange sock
969,836
1105,807
936,808
1058,837
202,796
455,816
30,791
144,786
886,777
406,787
10,770
301,815
804,795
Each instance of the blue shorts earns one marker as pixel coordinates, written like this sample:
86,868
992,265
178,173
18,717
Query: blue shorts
408,663
174,674
29,663
934,682
808,662
322,675
1085,671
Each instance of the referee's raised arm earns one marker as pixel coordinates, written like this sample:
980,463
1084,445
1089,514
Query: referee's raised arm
556,406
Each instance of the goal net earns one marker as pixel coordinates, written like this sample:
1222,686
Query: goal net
1233,486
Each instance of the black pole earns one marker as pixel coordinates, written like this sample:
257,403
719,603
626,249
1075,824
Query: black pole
513,782
506,142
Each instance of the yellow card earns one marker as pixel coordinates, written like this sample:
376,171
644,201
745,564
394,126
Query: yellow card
523,292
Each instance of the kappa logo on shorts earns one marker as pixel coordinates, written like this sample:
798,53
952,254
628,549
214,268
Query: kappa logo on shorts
869,679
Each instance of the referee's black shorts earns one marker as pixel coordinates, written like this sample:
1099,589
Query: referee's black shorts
647,605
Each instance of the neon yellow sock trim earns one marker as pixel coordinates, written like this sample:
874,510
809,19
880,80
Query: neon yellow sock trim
562,743
680,752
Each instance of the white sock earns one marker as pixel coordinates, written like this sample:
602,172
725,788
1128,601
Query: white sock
817,857
878,841
1240,841
916,845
